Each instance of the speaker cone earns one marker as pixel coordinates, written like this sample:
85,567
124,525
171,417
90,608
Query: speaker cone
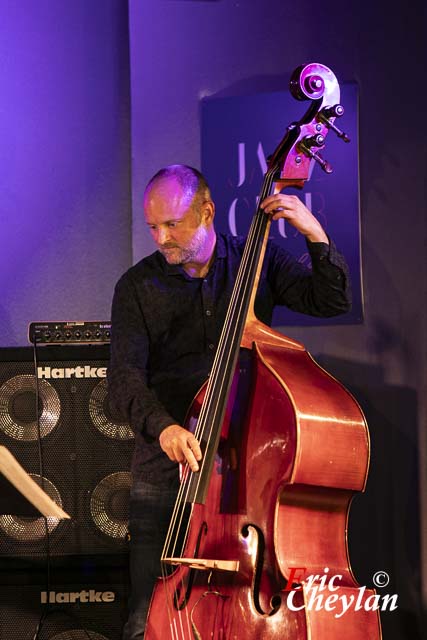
102,417
24,529
18,417
109,504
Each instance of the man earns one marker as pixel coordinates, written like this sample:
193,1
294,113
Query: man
167,314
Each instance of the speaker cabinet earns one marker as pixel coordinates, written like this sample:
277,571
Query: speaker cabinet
64,579
78,609
85,450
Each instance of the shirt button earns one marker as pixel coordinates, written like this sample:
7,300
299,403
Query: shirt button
208,312
211,346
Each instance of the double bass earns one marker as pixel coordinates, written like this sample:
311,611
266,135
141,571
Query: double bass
262,526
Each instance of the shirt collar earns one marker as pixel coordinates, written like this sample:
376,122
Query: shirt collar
220,248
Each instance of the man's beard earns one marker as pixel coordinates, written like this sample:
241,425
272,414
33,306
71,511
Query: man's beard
182,255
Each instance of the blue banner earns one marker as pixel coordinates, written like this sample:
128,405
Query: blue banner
238,134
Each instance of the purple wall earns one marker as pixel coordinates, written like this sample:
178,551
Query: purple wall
64,161
184,50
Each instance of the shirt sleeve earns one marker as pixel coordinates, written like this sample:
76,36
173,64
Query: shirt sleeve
128,392
323,291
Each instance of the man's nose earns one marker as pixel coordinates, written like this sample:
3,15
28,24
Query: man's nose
163,235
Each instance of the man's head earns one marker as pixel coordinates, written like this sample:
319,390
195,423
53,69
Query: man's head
179,212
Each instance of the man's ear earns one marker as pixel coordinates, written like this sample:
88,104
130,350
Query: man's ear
208,212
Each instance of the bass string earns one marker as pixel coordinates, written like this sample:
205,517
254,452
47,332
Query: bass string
176,618
222,360
213,398
211,405
231,327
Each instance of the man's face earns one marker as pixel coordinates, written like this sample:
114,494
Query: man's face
176,225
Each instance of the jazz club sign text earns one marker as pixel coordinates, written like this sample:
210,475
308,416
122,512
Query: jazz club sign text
238,135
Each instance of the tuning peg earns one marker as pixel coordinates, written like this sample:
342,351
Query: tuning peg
318,140
335,111
315,141
318,158
323,163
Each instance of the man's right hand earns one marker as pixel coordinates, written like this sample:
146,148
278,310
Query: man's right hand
180,445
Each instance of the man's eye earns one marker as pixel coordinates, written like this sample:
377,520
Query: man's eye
172,224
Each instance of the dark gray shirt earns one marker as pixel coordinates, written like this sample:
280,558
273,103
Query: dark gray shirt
166,326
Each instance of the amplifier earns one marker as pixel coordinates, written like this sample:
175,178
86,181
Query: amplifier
69,332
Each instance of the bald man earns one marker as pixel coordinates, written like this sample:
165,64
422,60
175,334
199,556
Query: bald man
167,315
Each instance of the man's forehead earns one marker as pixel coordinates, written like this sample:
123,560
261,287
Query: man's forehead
166,200
164,185
167,191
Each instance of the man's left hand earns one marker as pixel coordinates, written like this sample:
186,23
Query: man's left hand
292,209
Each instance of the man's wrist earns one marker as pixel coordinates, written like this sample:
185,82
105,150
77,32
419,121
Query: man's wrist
317,236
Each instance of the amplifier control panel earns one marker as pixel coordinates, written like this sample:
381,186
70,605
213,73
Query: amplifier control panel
69,332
